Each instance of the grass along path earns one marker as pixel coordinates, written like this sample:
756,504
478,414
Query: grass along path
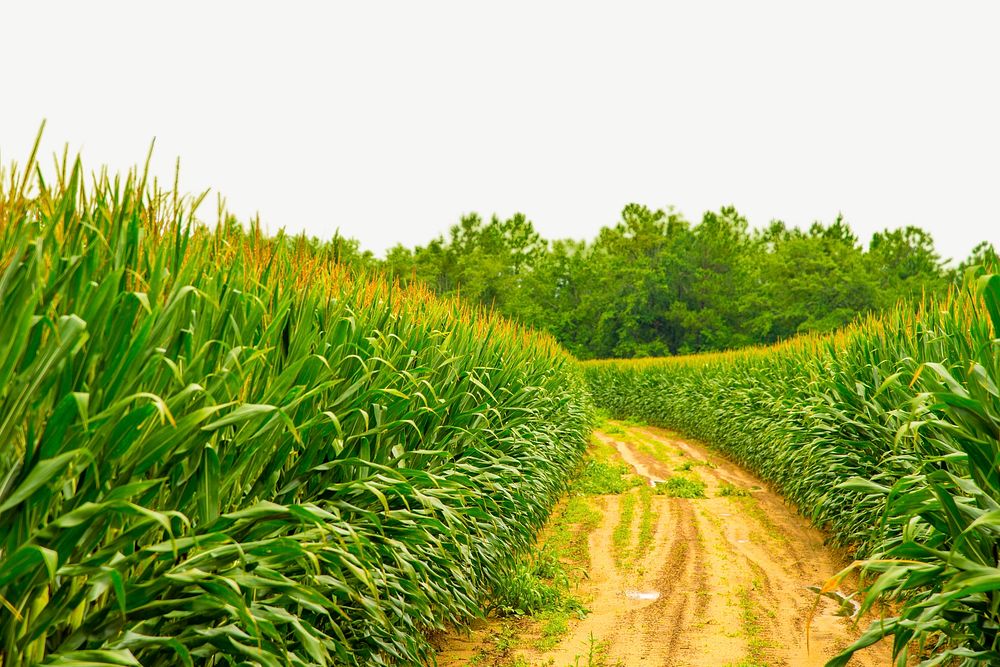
706,567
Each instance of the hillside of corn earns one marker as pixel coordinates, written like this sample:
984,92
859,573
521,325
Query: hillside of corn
219,448
887,434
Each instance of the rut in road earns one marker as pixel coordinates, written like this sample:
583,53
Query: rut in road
722,581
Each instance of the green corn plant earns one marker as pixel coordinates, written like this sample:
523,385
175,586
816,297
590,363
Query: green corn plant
886,434
220,447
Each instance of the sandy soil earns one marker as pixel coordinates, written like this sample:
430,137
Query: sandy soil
723,584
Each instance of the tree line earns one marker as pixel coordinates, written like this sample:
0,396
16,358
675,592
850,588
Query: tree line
656,284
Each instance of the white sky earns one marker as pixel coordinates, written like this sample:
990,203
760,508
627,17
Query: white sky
391,119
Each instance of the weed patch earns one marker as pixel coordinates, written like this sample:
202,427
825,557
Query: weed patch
539,583
571,530
600,478
681,487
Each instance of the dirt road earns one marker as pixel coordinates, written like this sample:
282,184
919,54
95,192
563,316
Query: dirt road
714,581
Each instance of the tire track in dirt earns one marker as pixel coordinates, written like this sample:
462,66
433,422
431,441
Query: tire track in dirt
765,556
677,566
731,574
639,638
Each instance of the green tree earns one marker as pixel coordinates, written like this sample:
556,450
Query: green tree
816,280
654,284
904,264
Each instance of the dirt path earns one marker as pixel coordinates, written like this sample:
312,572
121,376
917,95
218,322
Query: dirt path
719,581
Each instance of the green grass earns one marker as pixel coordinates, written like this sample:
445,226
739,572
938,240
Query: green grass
596,654
688,465
602,451
536,584
647,522
621,537
570,531
681,487
751,626
601,478
627,551
603,472
728,490
554,626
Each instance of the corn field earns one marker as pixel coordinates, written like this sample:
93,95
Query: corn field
219,447
887,434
